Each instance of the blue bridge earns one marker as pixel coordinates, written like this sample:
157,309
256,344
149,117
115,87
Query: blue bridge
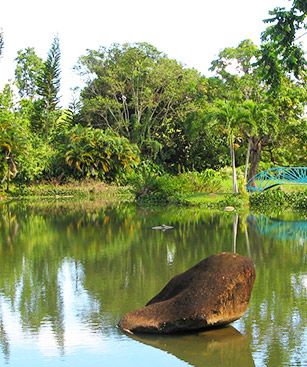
277,176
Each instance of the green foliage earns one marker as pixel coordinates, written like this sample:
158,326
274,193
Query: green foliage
172,189
90,152
260,121
29,67
49,79
235,200
280,51
275,199
37,163
202,146
142,114
139,93
38,83
241,59
205,181
14,137
158,190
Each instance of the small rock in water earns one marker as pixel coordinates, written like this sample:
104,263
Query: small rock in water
163,227
229,209
214,292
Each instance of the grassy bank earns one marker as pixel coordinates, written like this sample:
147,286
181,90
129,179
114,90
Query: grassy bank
88,189
210,190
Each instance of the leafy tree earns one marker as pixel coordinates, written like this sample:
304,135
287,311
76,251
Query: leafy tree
281,51
236,67
260,126
38,82
139,93
29,68
206,147
14,138
264,118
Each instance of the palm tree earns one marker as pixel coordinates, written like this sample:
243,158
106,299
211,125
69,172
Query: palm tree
228,114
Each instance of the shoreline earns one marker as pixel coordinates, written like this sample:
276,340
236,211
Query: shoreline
270,201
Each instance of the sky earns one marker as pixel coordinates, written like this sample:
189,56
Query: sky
190,31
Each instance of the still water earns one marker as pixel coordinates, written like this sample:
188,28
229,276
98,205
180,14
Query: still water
69,271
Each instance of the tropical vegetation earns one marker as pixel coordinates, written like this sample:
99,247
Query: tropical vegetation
141,115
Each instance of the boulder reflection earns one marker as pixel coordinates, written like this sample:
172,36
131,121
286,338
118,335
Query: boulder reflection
211,348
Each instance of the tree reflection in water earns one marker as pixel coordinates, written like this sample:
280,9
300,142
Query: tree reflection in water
118,262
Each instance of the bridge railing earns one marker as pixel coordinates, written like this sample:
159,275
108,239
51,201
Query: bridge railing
277,176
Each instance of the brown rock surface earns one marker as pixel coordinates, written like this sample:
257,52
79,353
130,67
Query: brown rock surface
214,292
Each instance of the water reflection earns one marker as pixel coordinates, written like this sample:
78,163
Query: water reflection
69,271
279,229
212,348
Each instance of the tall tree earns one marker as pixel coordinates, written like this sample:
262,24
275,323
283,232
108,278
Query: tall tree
29,67
265,116
50,78
228,115
15,142
259,124
138,92
281,48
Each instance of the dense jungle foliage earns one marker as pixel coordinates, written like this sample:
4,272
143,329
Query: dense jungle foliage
141,113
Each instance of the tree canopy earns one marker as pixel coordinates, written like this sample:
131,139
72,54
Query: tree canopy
281,47
141,112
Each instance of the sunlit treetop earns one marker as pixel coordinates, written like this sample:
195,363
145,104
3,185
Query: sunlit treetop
281,48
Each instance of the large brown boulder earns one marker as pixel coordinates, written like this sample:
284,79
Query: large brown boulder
214,292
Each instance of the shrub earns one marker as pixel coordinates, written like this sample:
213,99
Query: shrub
158,190
89,152
205,181
166,189
279,199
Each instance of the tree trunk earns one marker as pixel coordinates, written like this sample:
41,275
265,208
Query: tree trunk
233,165
247,159
8,175
255,156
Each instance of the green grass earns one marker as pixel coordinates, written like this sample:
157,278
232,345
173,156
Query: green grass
75,190
293,188
217,200
226,185
204,198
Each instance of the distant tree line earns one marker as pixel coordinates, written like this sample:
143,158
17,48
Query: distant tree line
141,112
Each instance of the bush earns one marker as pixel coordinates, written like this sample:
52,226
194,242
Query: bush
158,190
235,200
279,199
88,152
166,189
145,168
206,181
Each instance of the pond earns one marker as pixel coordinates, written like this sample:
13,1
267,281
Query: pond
69,271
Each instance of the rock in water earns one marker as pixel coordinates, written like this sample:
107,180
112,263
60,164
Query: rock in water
214,292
